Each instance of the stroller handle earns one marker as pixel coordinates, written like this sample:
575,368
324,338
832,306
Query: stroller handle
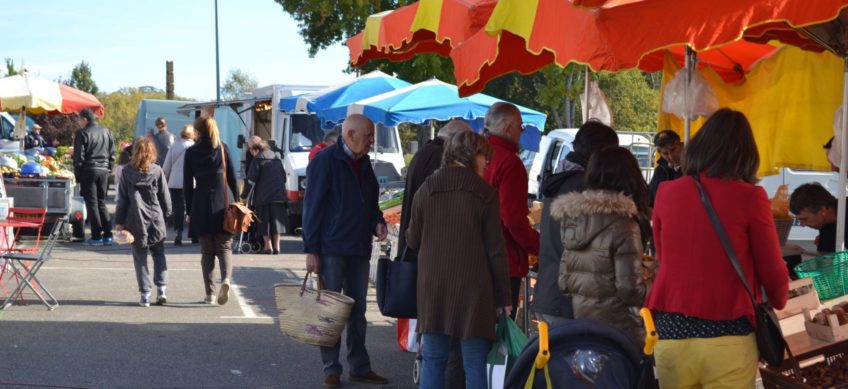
544,347
651,336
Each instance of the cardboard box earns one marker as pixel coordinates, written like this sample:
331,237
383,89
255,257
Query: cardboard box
796,305
832,333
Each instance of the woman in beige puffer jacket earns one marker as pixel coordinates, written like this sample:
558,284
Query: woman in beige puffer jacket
603,242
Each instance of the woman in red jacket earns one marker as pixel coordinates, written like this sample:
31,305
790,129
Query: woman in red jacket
702,312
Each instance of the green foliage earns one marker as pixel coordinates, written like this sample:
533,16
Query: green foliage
558,94
238,82
11,70
81,79
327,22
121,108
633,102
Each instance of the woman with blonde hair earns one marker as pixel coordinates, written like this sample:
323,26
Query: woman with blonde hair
173,166
143,204
209,183
463,280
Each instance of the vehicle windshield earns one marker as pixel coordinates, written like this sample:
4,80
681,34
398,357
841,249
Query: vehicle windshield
305,132
386,141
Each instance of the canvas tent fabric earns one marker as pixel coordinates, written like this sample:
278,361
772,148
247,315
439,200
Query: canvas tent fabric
810,83
437,100
41,96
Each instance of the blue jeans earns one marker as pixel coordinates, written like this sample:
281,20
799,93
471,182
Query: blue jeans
350,276
160,268
436,350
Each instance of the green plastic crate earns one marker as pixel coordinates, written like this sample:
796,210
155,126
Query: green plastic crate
829,273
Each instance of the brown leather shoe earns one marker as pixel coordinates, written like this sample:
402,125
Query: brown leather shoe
332,381
369,378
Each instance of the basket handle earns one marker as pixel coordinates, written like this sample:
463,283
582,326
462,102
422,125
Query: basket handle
320,285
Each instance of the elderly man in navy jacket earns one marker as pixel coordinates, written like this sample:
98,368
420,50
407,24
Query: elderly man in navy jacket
340,216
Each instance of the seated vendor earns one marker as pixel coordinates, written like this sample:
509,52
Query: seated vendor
814,207
33,139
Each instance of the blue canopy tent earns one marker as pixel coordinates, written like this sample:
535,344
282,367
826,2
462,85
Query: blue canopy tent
437,100
330,104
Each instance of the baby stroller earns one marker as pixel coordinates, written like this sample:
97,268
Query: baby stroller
250,241
579,354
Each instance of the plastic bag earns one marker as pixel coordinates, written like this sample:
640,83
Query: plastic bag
702,99
780,203
509,341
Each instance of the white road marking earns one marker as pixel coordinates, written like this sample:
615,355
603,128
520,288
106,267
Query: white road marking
245,307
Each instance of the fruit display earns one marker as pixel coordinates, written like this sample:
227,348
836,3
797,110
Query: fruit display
12,165
823,375
839,310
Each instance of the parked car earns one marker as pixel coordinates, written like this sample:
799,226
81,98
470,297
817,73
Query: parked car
556,144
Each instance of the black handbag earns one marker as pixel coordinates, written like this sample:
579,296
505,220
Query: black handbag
396,286
769,336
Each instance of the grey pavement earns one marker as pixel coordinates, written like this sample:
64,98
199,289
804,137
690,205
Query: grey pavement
99,337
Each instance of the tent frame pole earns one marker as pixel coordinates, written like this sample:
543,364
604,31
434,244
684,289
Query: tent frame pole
843,163
688,64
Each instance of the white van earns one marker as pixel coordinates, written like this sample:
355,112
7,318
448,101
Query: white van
7,126
556,144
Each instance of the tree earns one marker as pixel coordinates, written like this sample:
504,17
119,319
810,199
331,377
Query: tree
634,103
121,108
11,70
238,82
558,93
81,79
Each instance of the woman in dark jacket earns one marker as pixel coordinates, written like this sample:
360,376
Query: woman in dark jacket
602,257
266,177
703,315
207,196
463,275
143,204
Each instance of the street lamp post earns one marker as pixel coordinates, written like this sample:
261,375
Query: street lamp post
217,60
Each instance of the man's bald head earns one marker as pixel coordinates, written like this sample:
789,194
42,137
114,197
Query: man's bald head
504,119
453,127
358,134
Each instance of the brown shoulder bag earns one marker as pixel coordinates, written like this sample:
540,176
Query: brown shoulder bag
237,217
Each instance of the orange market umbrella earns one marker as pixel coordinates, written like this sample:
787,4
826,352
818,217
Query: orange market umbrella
427,26
526,35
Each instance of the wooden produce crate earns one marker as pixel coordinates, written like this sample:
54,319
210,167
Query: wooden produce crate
807,298
829,333
811,360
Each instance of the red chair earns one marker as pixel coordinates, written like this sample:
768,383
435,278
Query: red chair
31,215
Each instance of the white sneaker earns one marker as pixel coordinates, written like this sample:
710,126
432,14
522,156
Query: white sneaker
161,298
210,299
145,301
224,292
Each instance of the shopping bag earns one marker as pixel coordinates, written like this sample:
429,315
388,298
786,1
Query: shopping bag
396,287
407,338
509,341
312,316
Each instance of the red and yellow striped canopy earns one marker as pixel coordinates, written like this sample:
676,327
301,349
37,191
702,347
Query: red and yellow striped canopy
427,26
526,35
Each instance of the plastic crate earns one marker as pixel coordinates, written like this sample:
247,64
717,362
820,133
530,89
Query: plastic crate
828,273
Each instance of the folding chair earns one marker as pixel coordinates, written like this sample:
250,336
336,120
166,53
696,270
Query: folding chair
32,215
17,262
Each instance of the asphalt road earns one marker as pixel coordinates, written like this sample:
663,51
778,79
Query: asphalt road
99,337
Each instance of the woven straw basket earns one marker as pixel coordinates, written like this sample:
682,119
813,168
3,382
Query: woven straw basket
310,316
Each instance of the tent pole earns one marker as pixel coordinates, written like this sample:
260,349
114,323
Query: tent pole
843,163
586,94
432,129
687,121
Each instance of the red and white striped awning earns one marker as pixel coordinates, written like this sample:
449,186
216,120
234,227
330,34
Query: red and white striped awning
39,96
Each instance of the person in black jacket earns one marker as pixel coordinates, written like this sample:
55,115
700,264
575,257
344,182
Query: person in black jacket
267,178
668,167
549,303
207,195
94,155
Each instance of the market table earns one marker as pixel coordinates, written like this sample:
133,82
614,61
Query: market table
19,271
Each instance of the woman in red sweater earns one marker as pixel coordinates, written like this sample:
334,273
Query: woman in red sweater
702,312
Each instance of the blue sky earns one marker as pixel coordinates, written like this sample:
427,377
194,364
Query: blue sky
127,43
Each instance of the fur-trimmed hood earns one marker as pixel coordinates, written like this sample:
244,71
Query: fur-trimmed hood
584,215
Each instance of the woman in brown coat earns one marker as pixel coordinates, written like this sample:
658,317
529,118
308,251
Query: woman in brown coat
463,281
